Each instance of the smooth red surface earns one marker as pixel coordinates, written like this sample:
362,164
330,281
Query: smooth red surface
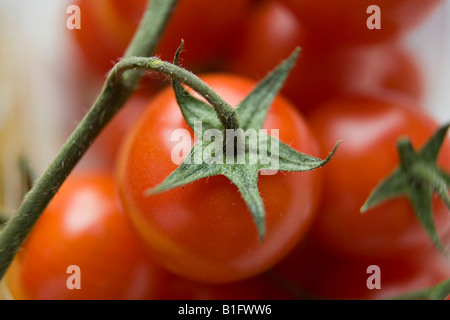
330,22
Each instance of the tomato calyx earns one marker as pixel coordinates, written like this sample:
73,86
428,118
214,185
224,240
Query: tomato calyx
418,177
215,152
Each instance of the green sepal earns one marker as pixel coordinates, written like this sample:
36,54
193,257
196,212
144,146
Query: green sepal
445,176
430,151
246,180
418,178
188,171
202,163
393,186
195,111
253,109
292,160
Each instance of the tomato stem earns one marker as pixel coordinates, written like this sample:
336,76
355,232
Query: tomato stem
221,109
225,113
108,103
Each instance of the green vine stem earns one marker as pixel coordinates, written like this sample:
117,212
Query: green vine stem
226,114
110,100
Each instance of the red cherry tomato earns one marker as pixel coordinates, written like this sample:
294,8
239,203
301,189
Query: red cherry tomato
331,22
271,34
89,38
325,275
322,75
369,129
209,30
83,226
204,230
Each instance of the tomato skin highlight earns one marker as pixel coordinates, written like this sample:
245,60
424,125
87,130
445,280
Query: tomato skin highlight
369,129
204,230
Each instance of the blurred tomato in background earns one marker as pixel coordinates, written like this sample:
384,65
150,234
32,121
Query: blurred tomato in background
327,275
335,22
208,30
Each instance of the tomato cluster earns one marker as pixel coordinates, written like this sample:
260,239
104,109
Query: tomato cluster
198,241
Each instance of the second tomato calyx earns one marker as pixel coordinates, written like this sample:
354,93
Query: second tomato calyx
241,150
417,177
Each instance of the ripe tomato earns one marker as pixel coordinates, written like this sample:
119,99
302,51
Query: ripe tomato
110,25
270,35
204,230
321,75
273,31
369,129
326,275
83,226
89,38
331,22
209,30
